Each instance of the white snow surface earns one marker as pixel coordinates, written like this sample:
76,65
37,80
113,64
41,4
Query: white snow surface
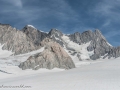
5,53
82,49
16,60
56,37
43,31
31,26
10,64
104,75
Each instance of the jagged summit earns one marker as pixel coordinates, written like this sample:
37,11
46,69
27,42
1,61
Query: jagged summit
29,28
99,34
35,35
55,32
56,36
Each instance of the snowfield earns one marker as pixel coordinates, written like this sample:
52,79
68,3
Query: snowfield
5,53
82,49
100,74
104,75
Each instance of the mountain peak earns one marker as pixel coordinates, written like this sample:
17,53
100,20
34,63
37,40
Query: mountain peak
99,34
29,28
97,31
55,31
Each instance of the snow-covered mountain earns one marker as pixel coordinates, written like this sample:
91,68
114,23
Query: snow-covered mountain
88,45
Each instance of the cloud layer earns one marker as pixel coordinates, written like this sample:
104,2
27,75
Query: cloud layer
66,15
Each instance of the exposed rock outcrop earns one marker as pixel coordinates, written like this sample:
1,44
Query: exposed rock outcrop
85,37
76,37
56,36
100,45
53,56
36,36
114,52
15,40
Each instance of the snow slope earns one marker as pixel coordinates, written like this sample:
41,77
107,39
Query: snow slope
9,65
100,76
82,49
16,60
4,53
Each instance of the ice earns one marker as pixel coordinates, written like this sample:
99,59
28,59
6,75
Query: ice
104,75
5,53
82,49
14,61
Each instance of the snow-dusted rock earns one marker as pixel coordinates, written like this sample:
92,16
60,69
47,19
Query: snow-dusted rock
113,53
76,37
98,44
53,56
56,36
35,35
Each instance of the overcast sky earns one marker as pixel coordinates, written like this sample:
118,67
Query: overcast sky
69,16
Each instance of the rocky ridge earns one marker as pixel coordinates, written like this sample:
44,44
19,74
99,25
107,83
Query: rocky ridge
29,39
36,36
98,43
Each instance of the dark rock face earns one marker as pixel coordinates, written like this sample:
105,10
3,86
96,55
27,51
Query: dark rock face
100,45
114,52
87,36
53,56
76,37
35,35
82,38
56,36
55,32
